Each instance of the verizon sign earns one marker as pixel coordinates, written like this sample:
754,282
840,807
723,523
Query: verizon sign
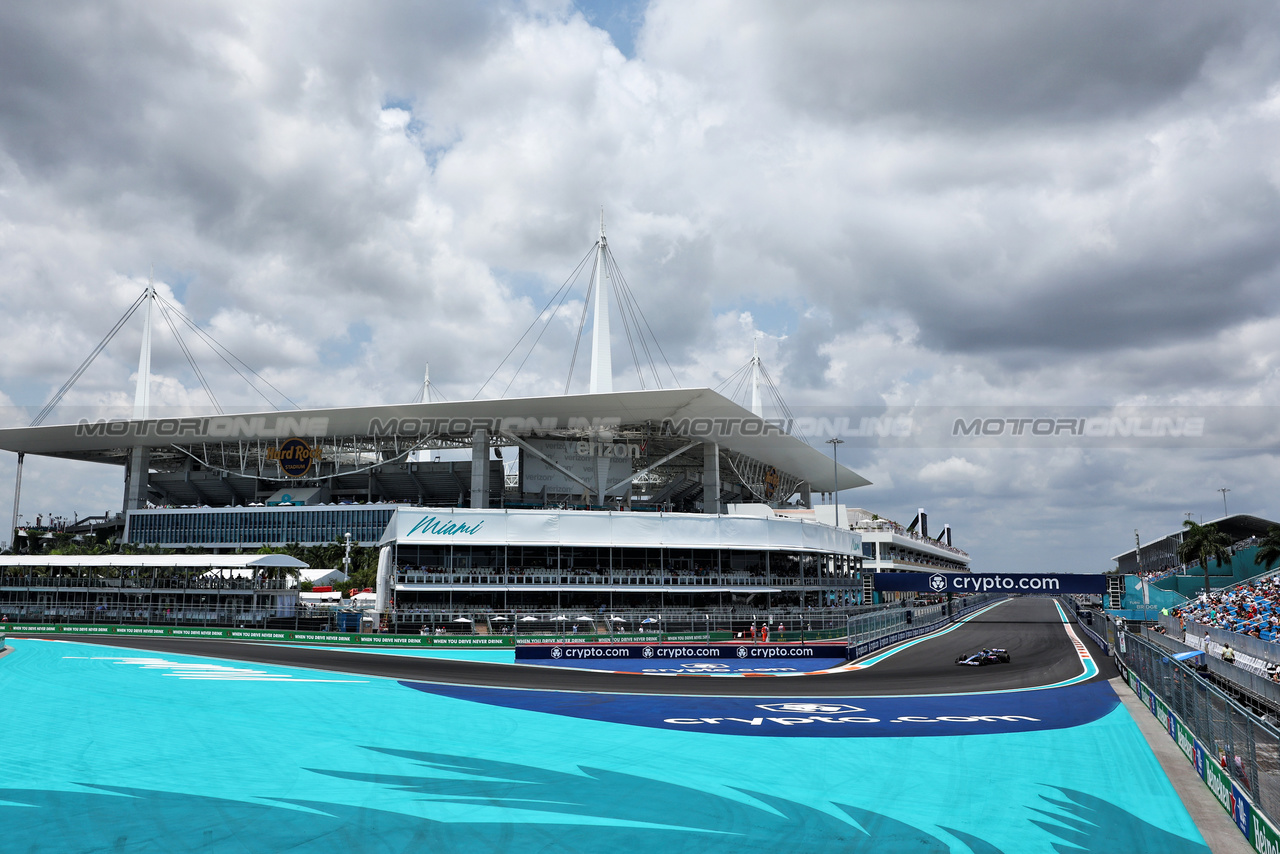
585,459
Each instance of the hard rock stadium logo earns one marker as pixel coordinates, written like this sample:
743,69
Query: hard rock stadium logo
295,456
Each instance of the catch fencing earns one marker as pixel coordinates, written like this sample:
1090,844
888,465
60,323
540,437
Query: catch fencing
1230,737
870,632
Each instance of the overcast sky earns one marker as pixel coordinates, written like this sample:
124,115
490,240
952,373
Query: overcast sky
1006,209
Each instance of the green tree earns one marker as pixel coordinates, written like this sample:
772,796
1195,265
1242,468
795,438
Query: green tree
1200,543
1269,549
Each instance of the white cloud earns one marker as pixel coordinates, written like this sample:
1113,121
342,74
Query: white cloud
952,473
909,205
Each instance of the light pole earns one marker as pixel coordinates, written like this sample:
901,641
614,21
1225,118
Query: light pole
835,442
1224,492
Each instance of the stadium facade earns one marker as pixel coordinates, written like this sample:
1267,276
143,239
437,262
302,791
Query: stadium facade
617,499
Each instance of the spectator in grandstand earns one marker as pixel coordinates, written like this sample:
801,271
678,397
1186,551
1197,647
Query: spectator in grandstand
1228,654
1243,609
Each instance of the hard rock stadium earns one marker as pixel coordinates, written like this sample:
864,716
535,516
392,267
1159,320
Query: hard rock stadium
603,620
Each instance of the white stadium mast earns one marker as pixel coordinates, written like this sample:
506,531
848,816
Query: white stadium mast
606,286
142,397
135,484
757,406
601,352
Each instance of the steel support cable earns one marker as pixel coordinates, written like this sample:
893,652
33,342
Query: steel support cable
637,317
545,326
621,295
781,404
164,312
734,385
776,394
656,343
223,352
627,308
432,394
739,391
624,306
66,387
572,277
582,323
725,382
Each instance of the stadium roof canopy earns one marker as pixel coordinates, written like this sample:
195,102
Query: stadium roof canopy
1237,527
673,414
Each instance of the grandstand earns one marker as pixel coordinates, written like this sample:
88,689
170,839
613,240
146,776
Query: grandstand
243,590
1158,562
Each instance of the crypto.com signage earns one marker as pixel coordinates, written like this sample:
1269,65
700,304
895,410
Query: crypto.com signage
965,583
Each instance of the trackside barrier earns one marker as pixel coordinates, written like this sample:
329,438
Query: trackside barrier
1093,635
858,650
865,643
1240,766
645,637
353,639
335,639
656,651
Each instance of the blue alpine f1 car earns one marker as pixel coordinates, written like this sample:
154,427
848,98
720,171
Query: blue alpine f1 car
986,656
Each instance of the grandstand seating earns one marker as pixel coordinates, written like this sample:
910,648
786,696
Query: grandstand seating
1252,609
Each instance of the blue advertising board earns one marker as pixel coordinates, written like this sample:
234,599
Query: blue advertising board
965,583
674,652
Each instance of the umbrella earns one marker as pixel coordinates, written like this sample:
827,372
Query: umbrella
648,620
584,618
462,620
496,619
559,617
528,619
617,619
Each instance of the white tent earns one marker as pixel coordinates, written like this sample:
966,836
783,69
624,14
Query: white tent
318,598
322,577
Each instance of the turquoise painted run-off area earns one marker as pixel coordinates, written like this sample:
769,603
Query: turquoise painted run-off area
114,749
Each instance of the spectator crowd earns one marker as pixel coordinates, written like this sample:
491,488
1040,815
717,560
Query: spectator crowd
1249,609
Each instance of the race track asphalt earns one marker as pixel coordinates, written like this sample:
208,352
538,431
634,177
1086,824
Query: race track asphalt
1041,652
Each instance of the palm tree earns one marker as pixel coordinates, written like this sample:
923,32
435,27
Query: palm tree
1269,549
1202,542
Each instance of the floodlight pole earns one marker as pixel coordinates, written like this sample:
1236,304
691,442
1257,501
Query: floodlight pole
17,494
835,442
